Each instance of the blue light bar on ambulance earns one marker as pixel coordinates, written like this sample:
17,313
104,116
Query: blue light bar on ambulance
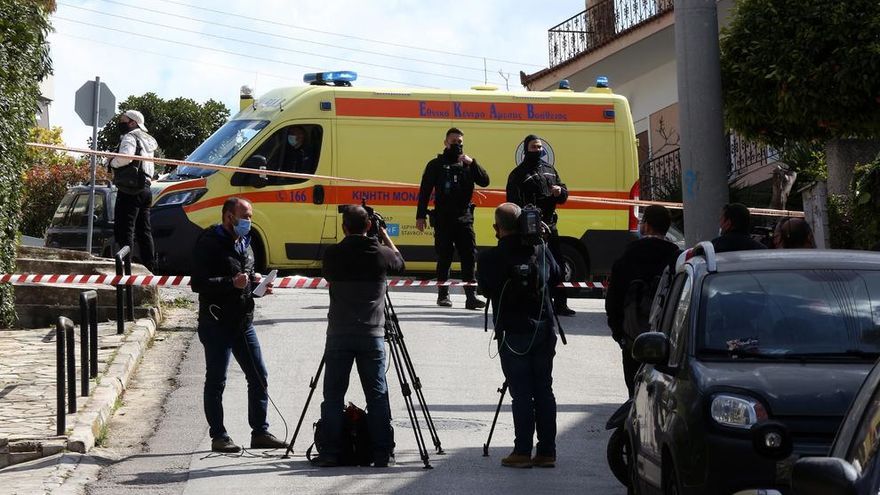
601,82
337,78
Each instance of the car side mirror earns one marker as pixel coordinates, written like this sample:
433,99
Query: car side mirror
254,162
824,476
651,348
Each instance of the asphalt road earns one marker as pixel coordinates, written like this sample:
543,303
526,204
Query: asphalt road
460,374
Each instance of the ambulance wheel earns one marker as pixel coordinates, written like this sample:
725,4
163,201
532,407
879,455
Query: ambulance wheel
259,253
574,264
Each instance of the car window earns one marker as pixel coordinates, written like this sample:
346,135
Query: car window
60,216
294,148
79,213
792,312
865,441
100,206
679,328
673,297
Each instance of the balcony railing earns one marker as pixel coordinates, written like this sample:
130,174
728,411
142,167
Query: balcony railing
660,177
599,25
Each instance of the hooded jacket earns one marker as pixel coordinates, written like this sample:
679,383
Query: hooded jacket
643,259
531,184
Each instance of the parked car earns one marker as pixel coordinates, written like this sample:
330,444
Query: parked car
742,340
853,467
69,226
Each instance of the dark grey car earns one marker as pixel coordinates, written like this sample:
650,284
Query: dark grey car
69,226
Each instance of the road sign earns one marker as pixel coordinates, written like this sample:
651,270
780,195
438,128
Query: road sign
84,104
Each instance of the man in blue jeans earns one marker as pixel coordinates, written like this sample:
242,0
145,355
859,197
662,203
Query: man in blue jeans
356,269
517,276
223,276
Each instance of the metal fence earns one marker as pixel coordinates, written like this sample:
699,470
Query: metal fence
599,25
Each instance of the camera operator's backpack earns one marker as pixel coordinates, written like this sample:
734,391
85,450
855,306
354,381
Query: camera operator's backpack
637,306
356,448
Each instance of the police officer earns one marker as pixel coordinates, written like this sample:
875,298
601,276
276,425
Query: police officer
536,182
451,177
514,276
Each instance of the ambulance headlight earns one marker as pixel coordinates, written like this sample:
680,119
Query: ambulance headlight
181,198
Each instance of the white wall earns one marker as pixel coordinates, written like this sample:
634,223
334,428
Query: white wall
650,92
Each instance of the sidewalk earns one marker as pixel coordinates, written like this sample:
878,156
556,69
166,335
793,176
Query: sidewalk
28,389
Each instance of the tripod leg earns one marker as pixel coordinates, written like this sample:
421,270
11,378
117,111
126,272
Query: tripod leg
407,393
312,385
391,318
502,390
559,325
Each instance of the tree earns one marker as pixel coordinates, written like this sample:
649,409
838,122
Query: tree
179,125
24,57
805,71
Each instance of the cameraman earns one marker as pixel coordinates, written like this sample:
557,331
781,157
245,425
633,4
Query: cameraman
536,182
517,276
356,269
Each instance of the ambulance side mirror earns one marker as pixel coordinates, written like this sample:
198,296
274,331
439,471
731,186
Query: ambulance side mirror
254,162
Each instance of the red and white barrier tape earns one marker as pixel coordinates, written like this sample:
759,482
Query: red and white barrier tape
480,192
294,282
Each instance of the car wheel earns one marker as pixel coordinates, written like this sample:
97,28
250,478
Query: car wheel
671,486
573,265
618,455
259,253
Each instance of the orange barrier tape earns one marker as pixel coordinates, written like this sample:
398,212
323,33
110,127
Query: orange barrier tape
294,175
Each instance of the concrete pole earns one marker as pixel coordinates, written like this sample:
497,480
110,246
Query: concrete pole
704,167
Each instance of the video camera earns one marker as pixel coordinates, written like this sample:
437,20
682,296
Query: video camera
532,229
376,220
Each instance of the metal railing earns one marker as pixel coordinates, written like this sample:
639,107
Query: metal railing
65,373
599,25
88,337
124,294
660,177
744,156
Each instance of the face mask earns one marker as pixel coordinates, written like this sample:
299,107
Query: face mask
456,149
533,157
291,140
242,227
123,127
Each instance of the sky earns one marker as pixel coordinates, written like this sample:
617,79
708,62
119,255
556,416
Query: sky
203,50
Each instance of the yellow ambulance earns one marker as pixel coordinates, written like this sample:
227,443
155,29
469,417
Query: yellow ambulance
389,135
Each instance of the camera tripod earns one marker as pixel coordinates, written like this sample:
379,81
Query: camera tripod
403,366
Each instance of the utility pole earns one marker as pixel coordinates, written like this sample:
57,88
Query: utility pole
703,150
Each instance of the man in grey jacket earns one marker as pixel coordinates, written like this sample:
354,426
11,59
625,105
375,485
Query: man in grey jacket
356,269
132,180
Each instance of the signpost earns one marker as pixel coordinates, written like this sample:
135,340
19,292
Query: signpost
95,105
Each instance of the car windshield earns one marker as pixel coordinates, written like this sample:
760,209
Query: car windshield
221,147
797,314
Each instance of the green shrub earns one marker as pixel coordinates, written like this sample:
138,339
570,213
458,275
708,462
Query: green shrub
854,220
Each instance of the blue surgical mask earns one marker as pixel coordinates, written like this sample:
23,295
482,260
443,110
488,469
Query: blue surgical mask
291,140
242,227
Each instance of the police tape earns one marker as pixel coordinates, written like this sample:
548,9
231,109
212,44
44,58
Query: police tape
483,193
291,282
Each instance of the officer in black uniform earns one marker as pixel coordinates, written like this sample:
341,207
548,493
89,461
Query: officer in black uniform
536,182
451,177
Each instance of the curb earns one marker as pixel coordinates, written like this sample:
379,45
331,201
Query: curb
97,411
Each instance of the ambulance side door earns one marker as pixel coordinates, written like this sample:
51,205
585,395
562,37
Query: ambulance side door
289,212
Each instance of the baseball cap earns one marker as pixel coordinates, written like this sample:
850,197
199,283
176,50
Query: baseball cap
137,117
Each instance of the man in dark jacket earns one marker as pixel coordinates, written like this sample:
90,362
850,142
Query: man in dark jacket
644,260
356,269
223,276
734,227
517,277
451,177
536,182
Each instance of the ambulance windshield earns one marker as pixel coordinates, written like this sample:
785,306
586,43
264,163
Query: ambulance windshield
221,146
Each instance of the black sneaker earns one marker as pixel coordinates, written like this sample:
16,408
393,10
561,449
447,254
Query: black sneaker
565,311
474,303
444,301
224,445
266,441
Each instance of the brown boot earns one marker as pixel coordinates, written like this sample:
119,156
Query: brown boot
515,460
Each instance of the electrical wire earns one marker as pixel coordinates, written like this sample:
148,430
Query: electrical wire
388,43
267,33
262,45
220,50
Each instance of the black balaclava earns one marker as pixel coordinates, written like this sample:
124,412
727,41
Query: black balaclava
530,157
